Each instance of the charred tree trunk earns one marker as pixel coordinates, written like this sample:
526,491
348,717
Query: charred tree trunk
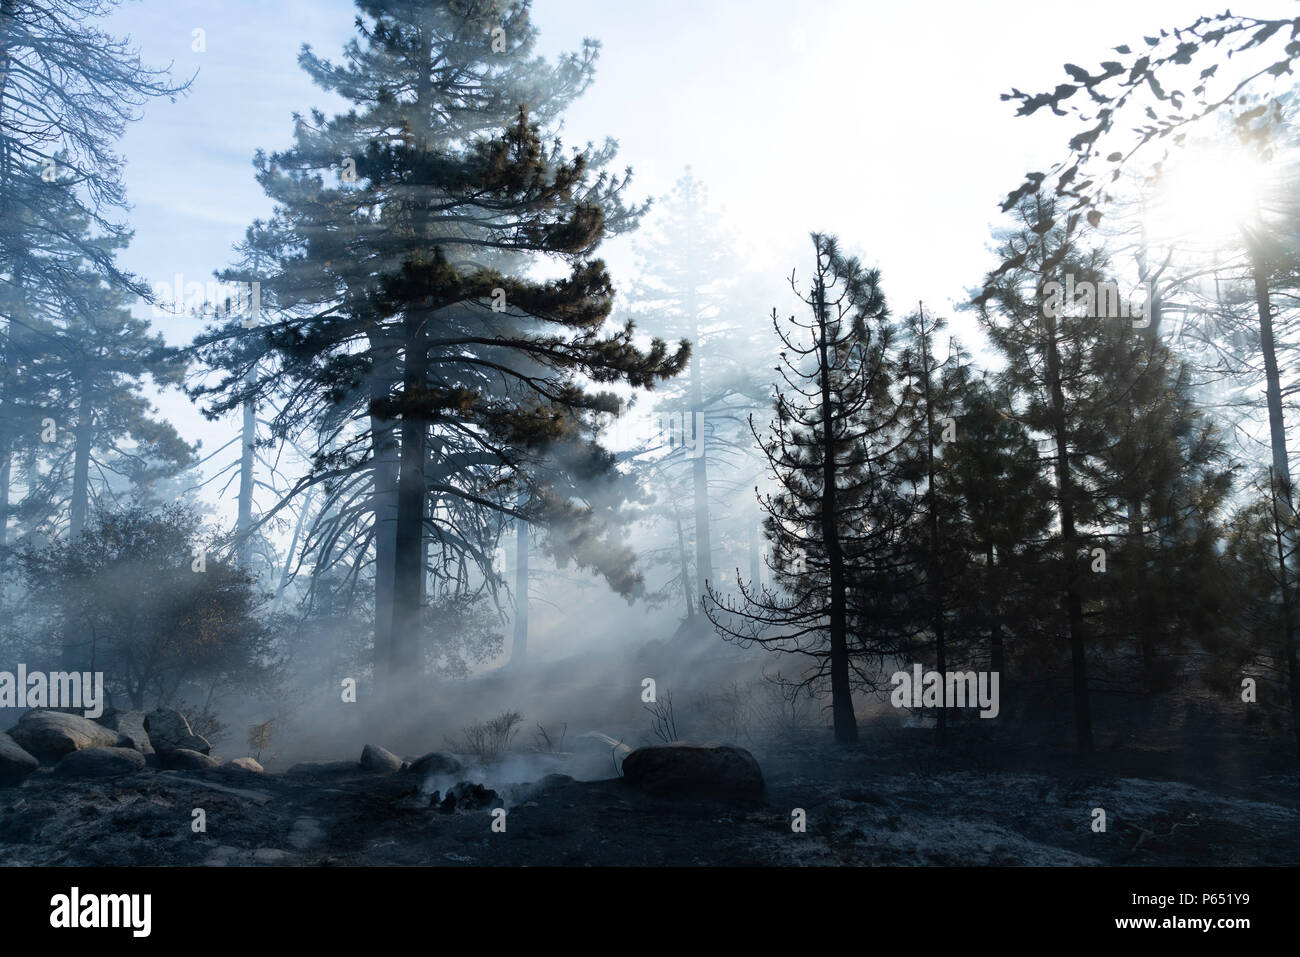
845,723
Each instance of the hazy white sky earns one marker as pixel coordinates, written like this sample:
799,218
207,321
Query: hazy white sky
878,121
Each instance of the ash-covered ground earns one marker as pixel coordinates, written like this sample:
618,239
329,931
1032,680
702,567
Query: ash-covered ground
891,800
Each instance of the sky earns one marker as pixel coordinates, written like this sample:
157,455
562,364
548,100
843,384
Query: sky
877,121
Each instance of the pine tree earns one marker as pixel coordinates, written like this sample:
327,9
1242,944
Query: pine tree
834,521
404,293
1053,367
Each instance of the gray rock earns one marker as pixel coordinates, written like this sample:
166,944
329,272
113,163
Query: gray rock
168,730
375,758
248,765
100,763
130,725
183,759
50,735
435,762
15,763
720,771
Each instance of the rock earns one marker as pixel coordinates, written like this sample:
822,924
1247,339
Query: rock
720,771
15,763
435,762
375,758
130,726
100,763
465,796
50,735
168,730
183,759
248,765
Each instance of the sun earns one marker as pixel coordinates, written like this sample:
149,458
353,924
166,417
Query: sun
1205,196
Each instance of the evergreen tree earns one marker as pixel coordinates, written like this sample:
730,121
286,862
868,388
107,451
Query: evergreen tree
834,521
404,294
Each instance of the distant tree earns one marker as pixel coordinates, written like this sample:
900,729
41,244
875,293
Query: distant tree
995,512
684,290
156,624
836,517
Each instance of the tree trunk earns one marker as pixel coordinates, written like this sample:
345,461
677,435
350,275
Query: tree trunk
1071,599
1281,472
685,565
845,723
81,466
293,547
384,469
244,520
408,553
936,563
995,617
6,474
519,650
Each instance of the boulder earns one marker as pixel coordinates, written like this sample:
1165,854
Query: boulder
50,735
15,763
183,759
100,763
721,771
130,726
375,758
435,762
247,765
168,730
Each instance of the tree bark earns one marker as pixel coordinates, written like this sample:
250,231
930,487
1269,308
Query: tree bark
519,650
407,553
244,519
845,723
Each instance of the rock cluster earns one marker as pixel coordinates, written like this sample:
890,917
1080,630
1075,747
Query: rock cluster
118,743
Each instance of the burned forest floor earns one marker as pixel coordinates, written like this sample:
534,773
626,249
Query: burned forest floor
892,799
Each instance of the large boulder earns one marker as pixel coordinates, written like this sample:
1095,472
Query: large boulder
720,771
246,765
51,735
375,758
130,725
100,763
15,763
168,730
183,759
